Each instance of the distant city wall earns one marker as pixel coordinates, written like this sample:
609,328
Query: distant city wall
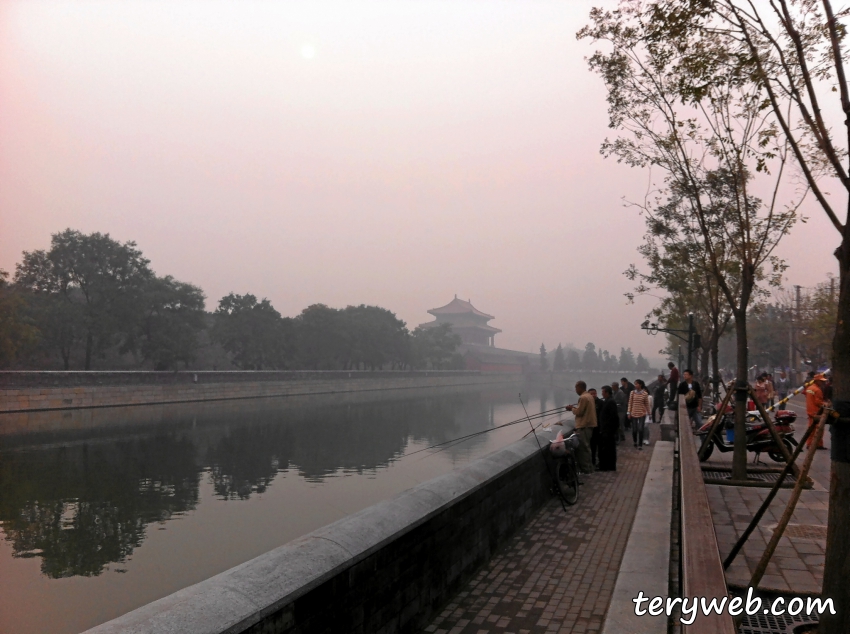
36,391
387,569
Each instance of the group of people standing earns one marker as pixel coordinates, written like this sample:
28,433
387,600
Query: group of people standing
603,419
769,390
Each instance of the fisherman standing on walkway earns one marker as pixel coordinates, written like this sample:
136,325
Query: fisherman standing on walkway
658,397
585,413
622,405
627,386
609,427
594,439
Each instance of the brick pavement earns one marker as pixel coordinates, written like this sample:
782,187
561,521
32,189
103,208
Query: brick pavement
558,573
797,564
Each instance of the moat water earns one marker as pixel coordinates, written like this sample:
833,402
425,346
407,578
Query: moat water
102,511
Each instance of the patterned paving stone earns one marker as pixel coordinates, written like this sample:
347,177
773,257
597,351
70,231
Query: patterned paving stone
557,574
797,565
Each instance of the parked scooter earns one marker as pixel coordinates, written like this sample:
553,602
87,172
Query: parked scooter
759,438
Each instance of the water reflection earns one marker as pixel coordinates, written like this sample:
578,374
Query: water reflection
81,500
82,507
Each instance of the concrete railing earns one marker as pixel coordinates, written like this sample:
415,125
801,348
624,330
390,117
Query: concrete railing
702,570
386,569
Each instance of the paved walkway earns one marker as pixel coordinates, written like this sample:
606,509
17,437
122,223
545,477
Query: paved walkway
797,564
557,574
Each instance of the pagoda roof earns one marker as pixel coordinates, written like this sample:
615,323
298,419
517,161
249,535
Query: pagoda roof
460,327
459,307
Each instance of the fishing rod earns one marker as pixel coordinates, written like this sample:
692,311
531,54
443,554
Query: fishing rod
543,455
452,443
550,412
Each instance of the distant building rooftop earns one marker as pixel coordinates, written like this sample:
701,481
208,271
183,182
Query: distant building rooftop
459,307
467,321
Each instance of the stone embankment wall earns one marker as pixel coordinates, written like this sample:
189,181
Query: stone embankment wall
385,569
35,391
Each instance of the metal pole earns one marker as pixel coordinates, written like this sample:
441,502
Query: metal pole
792,503
680,361
690,341
796,361
760,513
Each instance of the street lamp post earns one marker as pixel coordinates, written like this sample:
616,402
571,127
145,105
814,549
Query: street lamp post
692,336
691,341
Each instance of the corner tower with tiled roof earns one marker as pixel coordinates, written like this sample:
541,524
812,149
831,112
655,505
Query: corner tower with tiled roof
467,321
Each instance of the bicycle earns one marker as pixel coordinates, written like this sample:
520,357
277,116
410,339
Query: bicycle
566,468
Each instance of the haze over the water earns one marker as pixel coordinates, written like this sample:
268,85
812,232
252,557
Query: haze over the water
390,153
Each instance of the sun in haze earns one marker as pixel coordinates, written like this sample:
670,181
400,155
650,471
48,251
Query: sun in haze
308,51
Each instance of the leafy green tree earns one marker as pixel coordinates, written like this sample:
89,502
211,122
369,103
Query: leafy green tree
322,341
684,108
573,359
374,337
795,52
559,362
641,364
18,334
434,346
627,360
817,314
590,360
173,316
100,282
250,330
544,360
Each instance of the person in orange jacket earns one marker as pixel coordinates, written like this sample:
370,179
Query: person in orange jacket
814,405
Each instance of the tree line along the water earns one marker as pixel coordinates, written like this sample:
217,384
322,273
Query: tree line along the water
91,302
569,358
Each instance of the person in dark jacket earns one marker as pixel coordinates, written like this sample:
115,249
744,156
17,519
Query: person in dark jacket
626,387
594,439
609,427
690,387
622,405
658,397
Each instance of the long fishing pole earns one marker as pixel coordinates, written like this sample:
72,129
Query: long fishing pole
546,462
543,414
452,443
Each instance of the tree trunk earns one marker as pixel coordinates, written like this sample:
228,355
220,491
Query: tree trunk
739,457
89,346
837,556
715,354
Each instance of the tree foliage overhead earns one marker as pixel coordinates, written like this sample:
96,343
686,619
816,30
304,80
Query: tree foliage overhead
684,108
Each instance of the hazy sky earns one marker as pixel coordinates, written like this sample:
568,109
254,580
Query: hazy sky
390,153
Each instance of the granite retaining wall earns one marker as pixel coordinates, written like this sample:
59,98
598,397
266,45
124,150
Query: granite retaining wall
73,390
383,570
